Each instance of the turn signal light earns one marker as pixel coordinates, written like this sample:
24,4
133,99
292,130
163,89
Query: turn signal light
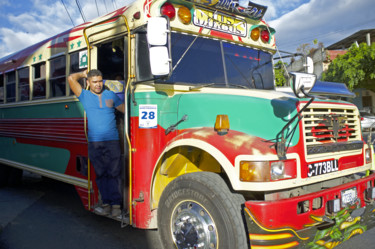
167,9
222,124
255,33
184,15
252,171
265,35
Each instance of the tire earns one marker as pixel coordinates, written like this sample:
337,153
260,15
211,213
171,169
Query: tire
197,210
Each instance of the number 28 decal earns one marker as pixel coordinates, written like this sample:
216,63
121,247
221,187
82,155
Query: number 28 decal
148,116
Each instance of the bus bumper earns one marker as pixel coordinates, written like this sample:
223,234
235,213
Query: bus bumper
282,224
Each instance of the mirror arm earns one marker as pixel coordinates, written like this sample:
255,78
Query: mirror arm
280,146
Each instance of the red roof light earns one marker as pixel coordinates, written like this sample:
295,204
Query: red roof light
265,35
168,10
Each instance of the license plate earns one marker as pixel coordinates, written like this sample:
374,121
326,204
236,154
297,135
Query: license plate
320,168
348,196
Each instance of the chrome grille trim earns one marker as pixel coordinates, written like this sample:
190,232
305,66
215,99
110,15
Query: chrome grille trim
331,128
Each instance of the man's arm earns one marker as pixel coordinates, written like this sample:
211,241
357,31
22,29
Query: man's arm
74,84
121,108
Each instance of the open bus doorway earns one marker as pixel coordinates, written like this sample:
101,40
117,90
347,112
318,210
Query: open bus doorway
112,62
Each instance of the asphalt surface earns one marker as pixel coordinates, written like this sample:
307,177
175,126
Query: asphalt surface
44,214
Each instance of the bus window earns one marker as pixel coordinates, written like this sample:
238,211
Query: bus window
111,60
24,84
11,87
57,77
39,80
1,88
75,67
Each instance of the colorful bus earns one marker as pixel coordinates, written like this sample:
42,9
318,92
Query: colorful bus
215,156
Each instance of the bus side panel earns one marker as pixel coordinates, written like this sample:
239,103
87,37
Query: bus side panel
45,138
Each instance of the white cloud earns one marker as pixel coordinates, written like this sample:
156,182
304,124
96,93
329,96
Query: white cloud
296,21
327,21
44,19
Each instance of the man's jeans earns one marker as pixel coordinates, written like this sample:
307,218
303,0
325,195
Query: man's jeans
106,158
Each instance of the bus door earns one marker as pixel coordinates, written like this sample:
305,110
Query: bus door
110,56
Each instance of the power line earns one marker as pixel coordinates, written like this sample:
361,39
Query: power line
96,3
80,10
105,4
68,13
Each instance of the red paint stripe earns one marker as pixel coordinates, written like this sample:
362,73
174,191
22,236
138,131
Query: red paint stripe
221,35
59,130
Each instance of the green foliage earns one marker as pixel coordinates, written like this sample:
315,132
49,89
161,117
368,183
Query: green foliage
280,73
356,68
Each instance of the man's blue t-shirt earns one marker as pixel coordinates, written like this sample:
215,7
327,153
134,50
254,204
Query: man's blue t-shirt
100,112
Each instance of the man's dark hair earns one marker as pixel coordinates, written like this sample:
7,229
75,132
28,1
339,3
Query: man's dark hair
94,72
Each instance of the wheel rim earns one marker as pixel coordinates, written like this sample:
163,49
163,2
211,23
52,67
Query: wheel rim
192,227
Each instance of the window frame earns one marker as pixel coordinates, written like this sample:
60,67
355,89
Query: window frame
40,79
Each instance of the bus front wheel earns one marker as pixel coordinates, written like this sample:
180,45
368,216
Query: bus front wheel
197,210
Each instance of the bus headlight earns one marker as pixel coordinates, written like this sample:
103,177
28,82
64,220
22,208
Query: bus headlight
277,170
266,171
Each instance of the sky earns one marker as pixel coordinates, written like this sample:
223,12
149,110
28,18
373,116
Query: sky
25,22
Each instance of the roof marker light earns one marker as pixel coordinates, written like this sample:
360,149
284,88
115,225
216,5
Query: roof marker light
184,15
255,33
265,35
167,9
137,15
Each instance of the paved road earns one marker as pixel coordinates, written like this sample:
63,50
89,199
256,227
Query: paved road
48,214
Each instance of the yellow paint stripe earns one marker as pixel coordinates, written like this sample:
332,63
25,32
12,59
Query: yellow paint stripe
270,236
283,246
276,230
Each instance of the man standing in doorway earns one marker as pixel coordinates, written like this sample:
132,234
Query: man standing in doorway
104,146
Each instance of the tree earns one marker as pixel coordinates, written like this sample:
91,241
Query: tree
280,73
356,68
307,48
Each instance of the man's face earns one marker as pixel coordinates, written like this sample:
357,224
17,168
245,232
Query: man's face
96,84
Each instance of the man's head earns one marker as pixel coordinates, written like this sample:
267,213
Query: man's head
95,81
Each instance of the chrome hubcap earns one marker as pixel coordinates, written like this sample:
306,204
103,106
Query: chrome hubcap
192,227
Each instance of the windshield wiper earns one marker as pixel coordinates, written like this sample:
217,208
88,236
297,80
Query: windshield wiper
200,86
217,84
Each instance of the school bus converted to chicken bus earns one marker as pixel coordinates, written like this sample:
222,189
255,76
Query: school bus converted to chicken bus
214,155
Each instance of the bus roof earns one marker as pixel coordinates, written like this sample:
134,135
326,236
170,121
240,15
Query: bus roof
221,19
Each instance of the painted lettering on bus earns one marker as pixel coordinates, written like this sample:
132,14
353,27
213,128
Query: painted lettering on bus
220,22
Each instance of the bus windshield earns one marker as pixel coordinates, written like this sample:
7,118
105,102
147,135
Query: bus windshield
219,63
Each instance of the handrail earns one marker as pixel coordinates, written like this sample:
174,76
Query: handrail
126,120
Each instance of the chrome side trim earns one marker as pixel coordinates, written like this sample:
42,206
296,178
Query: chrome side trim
47,173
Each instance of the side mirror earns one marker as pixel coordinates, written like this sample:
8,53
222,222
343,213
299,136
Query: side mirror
158,37
157,31
302,83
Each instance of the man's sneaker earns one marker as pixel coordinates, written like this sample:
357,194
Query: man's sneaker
116,211
104,210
